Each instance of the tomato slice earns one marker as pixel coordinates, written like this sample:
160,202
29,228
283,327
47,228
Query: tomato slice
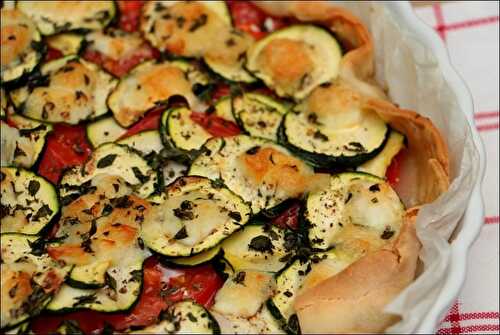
394,170
130,13
52,54
222,90
66,146
162,286
289,218
215,125
151,121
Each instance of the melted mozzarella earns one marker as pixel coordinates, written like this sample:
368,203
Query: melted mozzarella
114,44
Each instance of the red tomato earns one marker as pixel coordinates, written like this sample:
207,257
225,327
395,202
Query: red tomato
222,90
122,66
66,146
130,13
215,125
52,54
151,121
289,218
162,286
394,170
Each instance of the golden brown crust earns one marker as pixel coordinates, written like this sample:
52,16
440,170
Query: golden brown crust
353,300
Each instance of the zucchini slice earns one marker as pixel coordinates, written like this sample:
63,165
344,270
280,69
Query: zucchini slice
22,47
258,248
353,207
184,317
116,160
67,43
243,294
69,90
4,104
60,16
152,83
28,202
197,215
145,142
295,60
180,131
29,278
259,115
379,164
330,128
104,131
22,145
201,258
260,171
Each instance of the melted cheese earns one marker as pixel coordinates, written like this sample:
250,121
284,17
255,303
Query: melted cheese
244,297
18,33
114,44
147,85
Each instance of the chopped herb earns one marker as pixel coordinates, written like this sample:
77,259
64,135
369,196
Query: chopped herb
288,294
253,150
44,211
72,327
387,234
136,275
138,174
217,183
230,42
33,187
181,234
374,200
18,151
349,197
12,291
261,243
320,136
180,20
355,147
122,202
85,299
374,188
240,277
198,22
106,161
235,216
110,281
107,210
191,317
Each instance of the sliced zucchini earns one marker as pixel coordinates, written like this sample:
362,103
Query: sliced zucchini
152,83
243,294
288,284
114,43
330,128
60,16
22,145
112,159
145,142
68,90
379,164
224,109
29,278
259,115
184,317
353,207
258,248
4,104
201,258
67,43
103,131
173,170
260,171
180,131
197,215
28,202
296,59
22,47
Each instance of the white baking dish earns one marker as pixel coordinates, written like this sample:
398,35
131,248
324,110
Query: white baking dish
426,44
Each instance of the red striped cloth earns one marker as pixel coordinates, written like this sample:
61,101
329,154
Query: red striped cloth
471,33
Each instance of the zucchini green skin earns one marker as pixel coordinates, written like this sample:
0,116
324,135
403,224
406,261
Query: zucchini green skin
19,81
238,213
209,256
323,161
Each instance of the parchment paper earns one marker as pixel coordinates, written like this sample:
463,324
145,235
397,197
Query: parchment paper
411,74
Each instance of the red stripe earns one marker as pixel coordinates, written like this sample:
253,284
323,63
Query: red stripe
470,329
484,115
438,13
490,220
471,23
475,316
485,127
